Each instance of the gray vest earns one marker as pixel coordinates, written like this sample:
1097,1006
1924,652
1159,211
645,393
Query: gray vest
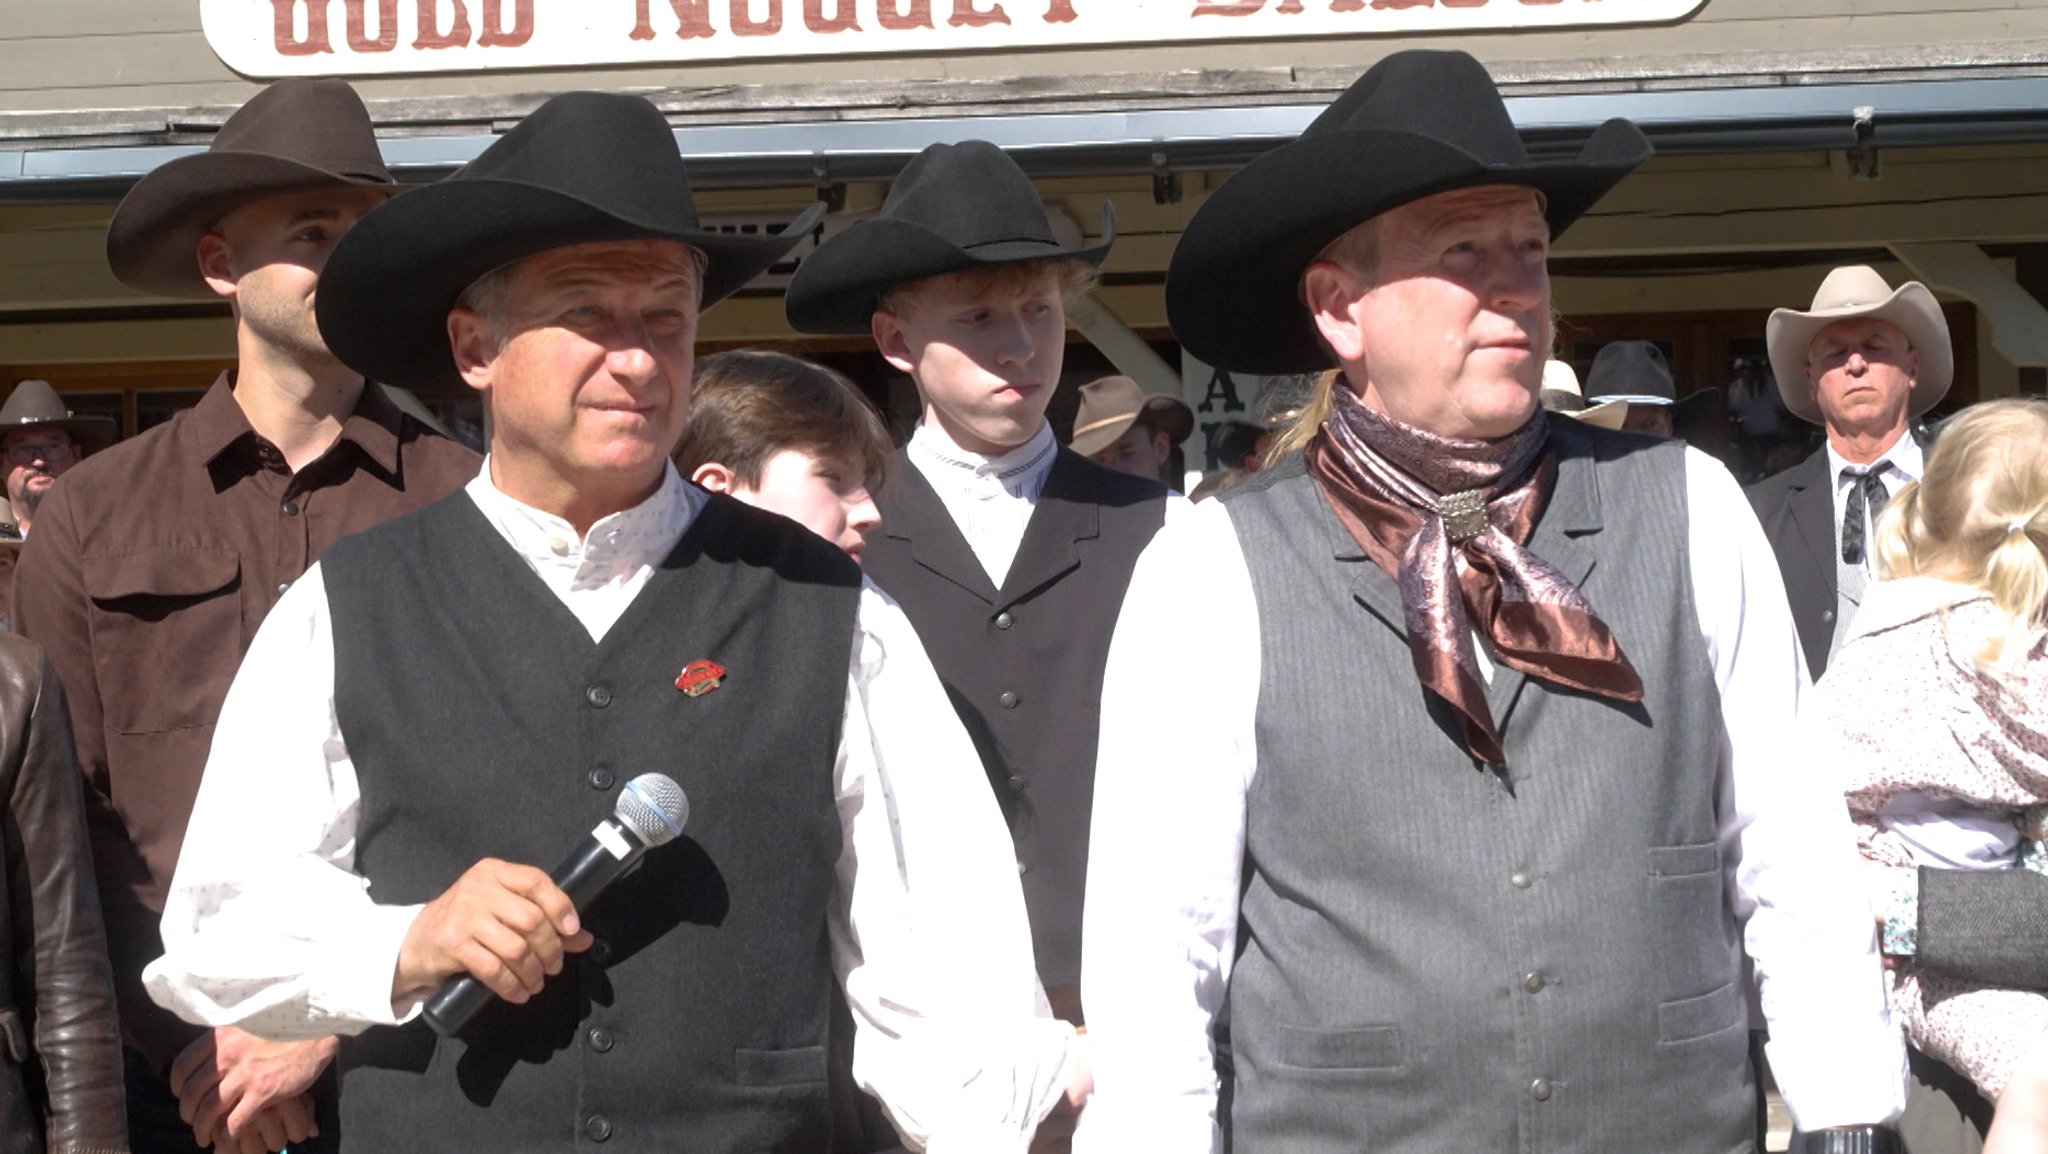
1436,958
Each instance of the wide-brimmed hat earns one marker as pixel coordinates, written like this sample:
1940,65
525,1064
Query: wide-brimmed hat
1417,123
585,167
1560,394
292,136
1637,373
35,405
1858,291
1110,406
955,207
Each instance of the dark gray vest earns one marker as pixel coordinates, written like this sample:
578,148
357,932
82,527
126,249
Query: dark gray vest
1431,959
484,722
1023,664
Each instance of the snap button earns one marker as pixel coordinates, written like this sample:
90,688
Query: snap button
558,547
598,1128
1521,881
598,696
291,508
1008,700
602,778
601,1039
282,586
1532,982
1540,1089
600,950
1004,620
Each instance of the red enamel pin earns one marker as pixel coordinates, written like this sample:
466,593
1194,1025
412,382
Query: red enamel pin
700,677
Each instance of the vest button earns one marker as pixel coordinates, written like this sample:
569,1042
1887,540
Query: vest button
1008,700
1532,982
598,696
597,1128
600,950
1521,881
602,778
1540,1089
1022,869
1004,620
1827,617
1016,783
601,1039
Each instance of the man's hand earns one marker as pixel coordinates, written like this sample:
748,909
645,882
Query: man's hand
237,1090
506,925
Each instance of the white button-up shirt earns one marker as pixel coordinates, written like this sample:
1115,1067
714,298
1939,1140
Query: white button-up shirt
1175,766
989,498
1900,463
268,927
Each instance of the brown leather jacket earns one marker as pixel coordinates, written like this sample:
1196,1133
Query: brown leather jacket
60,1042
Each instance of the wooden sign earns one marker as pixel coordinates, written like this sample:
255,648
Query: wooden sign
267,38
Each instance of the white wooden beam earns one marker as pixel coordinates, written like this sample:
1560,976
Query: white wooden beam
2019,323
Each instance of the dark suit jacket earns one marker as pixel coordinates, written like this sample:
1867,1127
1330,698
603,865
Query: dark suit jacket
1797,508
1023,664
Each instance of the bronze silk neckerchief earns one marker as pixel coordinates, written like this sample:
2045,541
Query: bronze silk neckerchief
1449,520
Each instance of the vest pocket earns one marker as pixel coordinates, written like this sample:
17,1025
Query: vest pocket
1693,942
779,1067
1360,1048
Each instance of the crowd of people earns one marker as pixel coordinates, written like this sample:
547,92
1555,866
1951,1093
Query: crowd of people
1539,789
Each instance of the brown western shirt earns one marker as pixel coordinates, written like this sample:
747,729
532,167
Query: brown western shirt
154,562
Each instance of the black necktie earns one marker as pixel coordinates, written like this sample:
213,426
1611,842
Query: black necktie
1866,487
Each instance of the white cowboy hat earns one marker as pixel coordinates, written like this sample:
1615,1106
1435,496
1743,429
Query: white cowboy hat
1857,291
1561,395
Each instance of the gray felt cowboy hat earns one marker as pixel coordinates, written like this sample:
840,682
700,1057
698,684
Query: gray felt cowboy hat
35,405
1858,291
1637,373
1112,405
293,136
585,167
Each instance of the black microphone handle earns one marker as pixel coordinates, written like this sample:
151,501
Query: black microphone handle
584,876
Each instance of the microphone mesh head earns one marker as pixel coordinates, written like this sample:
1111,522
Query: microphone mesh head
654,808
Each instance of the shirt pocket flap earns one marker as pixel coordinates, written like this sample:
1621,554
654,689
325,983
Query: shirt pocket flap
161,572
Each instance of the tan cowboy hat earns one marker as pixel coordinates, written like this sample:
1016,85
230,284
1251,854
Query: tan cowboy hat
1857,291
294,135
1561,395
1112,405
35,405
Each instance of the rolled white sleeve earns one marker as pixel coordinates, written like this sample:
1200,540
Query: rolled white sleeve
1174,763
1838,1058
267,926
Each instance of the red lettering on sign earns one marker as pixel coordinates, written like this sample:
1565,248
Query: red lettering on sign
1293,7
744,24
359,38
693,21
1061,12
966,15
1347,6
845,20
286,34
903,15
1406,3
1228,7
431,35
495,34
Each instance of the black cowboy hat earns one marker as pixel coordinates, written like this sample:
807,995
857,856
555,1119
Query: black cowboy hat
585,167
1637,373
294,135
35,405
1417,123
955,207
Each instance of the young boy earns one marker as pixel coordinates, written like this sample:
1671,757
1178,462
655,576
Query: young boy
1009,554
790,436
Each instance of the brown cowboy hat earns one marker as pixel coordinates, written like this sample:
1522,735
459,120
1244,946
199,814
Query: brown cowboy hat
1858,291
35,405
294,135
1112,405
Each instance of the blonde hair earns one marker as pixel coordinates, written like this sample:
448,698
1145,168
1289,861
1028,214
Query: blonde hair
1298,432
1979,515
1073,278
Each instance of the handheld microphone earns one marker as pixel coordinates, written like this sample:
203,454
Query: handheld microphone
650,812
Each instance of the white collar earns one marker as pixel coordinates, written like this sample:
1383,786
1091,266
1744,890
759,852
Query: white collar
1023,467
618,542
1902,454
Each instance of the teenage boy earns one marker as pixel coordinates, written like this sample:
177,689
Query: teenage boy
790,436
1009,554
